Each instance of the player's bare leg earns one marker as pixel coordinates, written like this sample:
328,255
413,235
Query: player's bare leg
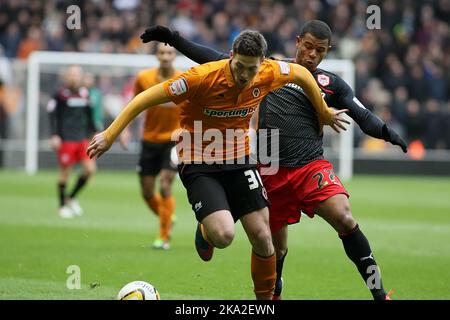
152,200
336,211
166,179
263,261
220,229
280,241
215,230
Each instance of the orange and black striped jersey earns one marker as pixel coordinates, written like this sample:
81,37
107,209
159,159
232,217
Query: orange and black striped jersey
161,120
208,93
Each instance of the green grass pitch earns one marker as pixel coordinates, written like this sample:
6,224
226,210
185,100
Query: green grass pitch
406,219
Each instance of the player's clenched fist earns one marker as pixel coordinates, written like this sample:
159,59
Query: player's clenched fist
98,146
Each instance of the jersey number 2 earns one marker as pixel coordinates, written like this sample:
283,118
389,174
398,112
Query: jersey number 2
321,179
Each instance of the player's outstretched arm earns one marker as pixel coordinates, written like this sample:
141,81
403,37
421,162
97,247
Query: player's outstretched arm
102,141
190,49
369,123
327,116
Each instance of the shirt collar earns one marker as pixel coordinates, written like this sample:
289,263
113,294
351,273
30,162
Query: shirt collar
228,74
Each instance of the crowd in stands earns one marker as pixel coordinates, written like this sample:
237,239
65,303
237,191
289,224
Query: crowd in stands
402,69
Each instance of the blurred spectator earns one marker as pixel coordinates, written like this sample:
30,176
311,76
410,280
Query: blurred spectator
445,125
398,106
433,130
10,40
31,43
414,121
3,121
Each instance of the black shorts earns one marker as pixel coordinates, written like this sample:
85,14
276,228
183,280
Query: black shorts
155,157
239,191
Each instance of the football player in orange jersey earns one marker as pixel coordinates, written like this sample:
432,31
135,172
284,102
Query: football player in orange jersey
156,145
223,95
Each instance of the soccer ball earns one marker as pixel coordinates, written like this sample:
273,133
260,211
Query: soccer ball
138,290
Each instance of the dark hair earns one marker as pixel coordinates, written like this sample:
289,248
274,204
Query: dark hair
318,29
250,43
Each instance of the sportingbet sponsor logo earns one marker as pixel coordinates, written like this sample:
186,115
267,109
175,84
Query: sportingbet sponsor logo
294,86
242,112
213,146
297,87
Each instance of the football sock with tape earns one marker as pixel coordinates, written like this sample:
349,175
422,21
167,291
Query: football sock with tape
263,275
165,217
358,250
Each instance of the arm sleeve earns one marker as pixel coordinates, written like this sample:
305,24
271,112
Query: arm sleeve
52,109
369,123
195,51
186,85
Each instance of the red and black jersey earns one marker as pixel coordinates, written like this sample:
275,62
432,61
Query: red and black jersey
71,115
289,110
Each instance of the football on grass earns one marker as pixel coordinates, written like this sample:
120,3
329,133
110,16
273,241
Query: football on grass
138,290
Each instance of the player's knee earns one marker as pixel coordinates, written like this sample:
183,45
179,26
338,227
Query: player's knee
346,220
89,171
280,251
165,186
263,241
147,195
223,238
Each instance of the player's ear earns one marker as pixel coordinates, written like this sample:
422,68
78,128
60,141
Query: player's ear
231,54
298,39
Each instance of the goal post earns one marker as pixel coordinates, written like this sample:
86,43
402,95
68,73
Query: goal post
38,61
38,58
346,70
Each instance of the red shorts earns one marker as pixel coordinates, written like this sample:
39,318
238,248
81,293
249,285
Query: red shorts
293,190
72,152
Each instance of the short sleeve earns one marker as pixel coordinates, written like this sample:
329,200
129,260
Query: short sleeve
184,86
283,72
137,85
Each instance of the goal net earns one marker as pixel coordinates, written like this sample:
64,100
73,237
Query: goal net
114,75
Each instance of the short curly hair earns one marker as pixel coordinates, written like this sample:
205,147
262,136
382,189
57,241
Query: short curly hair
250,43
